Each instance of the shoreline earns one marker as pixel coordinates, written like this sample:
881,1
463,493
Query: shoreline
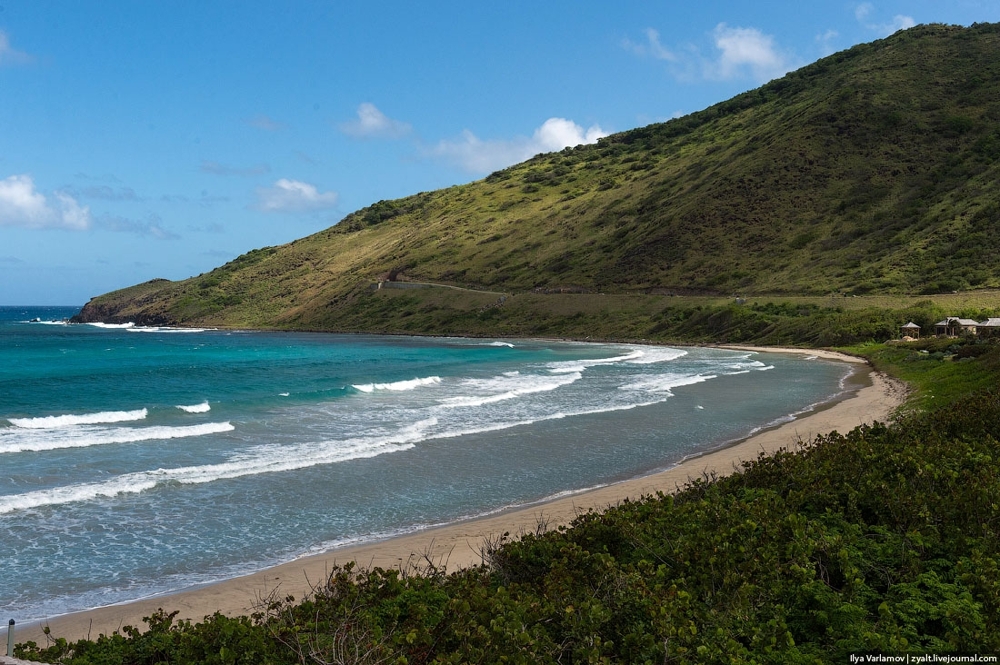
456,545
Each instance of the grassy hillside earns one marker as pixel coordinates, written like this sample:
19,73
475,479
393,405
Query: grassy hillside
870,171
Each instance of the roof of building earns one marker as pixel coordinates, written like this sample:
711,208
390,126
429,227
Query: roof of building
991,323
911,324
951,320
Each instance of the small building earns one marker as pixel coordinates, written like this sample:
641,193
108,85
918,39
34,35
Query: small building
911,330
989,328
954,326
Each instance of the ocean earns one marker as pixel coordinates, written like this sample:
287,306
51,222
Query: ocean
138,461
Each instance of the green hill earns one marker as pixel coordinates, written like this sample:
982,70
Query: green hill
873,170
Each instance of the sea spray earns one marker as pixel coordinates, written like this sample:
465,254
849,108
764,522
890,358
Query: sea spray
204,407
398,385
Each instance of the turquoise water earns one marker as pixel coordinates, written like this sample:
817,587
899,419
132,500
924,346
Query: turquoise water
140,461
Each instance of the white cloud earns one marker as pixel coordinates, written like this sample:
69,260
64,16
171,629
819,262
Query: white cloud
9,55
264,122
220,254
477,156
747,50
72,214
293,196
306,157
473,154
741,53
372,123
104,193
899,22
826,42
212,227
21,205
205,200
558,133
652,47
151,226
216,168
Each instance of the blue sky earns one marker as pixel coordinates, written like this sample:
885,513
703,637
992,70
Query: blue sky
148,139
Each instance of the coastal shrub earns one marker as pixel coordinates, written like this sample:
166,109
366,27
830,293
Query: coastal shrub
218,640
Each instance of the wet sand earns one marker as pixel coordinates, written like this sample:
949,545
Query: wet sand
458,545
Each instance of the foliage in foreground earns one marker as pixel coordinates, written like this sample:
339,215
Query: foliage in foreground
881,540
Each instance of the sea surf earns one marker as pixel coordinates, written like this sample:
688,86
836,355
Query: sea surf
136,461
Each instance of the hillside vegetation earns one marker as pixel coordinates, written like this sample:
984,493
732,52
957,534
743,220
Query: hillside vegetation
871,171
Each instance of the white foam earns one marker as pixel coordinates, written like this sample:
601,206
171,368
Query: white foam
507,386
14,441
123,484
398,385
567,366
503,344
204,407
754,364
130,324
262,459
160,329
664,382
652,355
559,415
71,420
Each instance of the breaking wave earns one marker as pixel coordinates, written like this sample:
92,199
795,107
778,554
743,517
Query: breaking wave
508,386
263,459
161,329
397,385
567,366
204,407
70,420
130,324
14,441
652,355
664,382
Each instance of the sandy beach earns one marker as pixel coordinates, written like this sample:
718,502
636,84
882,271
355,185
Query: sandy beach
457,545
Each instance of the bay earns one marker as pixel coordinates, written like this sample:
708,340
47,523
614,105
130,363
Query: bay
136,461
